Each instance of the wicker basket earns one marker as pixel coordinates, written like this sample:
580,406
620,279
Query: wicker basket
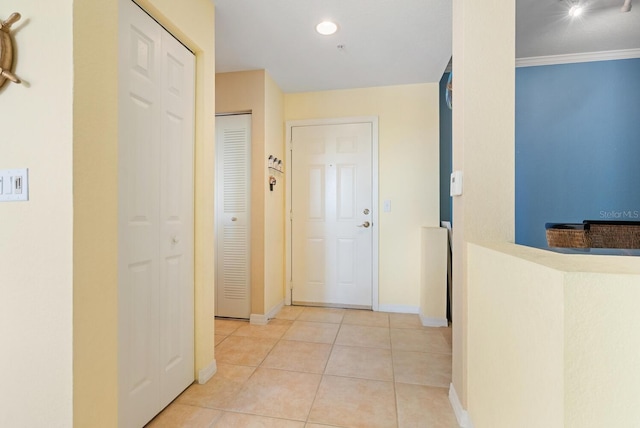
594,234
620,234
568,235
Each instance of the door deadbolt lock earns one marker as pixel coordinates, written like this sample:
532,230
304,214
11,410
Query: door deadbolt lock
366,211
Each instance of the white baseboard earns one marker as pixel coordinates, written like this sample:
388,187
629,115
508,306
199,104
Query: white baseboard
433,322
258,319
402,309
207,373
274,311
461,415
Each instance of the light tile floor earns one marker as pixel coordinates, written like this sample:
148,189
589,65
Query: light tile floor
317,367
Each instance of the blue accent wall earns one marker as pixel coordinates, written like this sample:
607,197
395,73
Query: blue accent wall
577,145
445,153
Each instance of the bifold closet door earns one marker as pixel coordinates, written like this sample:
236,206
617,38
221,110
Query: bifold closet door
155,248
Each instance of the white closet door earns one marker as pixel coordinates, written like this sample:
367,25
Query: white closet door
155,214
233,165
176,219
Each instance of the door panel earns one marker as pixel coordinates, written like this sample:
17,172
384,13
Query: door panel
138,253
155,226
176,215
332,258
233,161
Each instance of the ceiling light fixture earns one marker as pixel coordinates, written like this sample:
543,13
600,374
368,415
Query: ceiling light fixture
575,11
326,28
626,7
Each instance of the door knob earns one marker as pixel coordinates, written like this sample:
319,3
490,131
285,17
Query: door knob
365,224
234,218
175,239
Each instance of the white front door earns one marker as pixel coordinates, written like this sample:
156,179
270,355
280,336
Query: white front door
233,178
332,215
155,217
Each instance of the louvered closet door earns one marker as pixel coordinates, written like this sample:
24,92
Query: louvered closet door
233,165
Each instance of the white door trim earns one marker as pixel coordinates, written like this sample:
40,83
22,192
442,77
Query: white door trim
373,120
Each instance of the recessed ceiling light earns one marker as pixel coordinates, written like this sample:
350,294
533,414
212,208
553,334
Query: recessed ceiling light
326,28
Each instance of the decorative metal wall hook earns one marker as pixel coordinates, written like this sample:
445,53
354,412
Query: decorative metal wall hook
6,50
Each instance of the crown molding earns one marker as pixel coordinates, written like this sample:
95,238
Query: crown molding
578,57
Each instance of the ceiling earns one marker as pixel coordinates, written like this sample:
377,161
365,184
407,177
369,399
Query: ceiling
543,27
393,42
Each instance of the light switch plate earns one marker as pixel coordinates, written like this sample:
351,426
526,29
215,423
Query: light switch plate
14,185
456,183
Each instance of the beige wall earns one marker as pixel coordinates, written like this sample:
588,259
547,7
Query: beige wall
483,145
433,276
552,338
95,36
539,338
95,312
408,173
602,346
256,92
36,236
274,215
244,92
516,342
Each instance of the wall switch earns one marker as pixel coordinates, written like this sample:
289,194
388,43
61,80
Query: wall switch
386,206
14,185
456,183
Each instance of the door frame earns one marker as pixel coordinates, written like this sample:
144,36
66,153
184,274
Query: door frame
373,120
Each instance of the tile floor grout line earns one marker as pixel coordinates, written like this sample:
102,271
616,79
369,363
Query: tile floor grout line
274,346
237,412
323,374
333,347
393,375
315,395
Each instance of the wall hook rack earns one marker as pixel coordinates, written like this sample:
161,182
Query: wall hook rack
275,164
6,50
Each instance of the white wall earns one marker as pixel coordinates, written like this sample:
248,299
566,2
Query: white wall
36,236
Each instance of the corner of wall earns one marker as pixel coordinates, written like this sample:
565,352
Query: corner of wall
95,187
463,418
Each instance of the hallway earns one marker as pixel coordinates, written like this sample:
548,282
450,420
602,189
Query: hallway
318,367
